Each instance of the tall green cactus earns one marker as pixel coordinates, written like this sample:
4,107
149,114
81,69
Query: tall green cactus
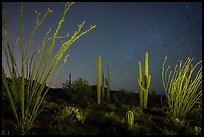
102,87
144,85
129,119
108,83
99,80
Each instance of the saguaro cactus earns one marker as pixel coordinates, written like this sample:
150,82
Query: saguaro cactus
108,83
129,119
144,85
102,90
70,79
99,80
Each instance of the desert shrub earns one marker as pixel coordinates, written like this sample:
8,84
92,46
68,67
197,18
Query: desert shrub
51,107
6,109
154,100
165,131
137,111
59,127
195,116
78,92
193,130
110,107
136,130
157,111
112,116
124,96
139,129
178,125
114,122
62,121
74,114
124,107
5,132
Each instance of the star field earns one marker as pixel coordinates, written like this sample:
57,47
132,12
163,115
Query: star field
124,32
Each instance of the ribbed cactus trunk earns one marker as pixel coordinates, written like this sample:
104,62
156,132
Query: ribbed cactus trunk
144,85
102,90
140,80
99,80
108,84
129,119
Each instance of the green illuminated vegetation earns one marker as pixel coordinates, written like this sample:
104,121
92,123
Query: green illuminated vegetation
100,83
144,85
26,100
31,107
182,92
129,119
99,80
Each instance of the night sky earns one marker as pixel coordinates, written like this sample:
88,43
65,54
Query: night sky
123,33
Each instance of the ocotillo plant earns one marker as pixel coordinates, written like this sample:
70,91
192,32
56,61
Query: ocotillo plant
182,92
102,90
25,101
144,85
99,80
129,119
108,83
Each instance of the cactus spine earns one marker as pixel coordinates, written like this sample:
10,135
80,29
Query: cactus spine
102,87
129,119
99,80
108,83
144,85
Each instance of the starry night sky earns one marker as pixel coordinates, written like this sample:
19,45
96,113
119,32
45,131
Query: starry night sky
124,32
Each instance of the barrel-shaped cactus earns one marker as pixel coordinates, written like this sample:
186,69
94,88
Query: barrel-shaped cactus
129,119
144,85
99,80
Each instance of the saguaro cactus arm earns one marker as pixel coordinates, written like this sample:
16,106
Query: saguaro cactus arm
146,64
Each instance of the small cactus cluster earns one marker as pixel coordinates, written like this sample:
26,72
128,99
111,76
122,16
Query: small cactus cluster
129,119
144,85
100,87
74,113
